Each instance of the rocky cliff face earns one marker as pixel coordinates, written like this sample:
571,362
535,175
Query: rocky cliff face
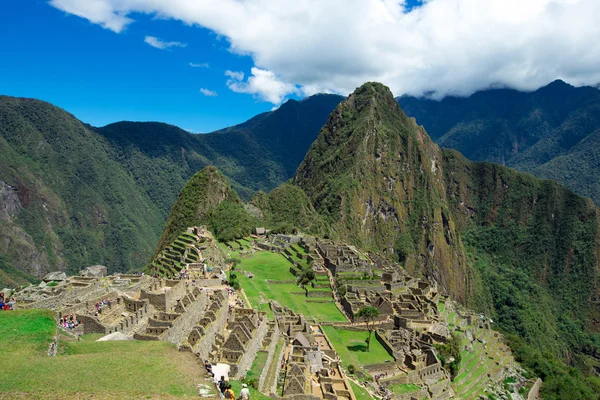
378,180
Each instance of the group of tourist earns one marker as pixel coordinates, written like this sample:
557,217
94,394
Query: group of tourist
69,322
101,304
379,376
184,274
6,304
226,391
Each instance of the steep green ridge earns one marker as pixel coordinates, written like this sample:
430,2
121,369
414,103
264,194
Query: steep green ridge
376,178
551,132
207,199
288,207
66,202
523,250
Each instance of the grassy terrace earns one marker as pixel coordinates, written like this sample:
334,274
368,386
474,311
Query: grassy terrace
352,349
274,267
359,392
113,370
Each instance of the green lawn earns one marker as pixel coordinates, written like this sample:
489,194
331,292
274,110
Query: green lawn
273,266
359,392
131,369
258,365
254,393
404,388
352,349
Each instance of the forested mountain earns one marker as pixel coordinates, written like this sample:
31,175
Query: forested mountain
72,195
67,202
259,154
521,249
551,132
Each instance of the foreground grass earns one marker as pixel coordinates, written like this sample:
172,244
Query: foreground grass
267,266
352,348
131,369
359,392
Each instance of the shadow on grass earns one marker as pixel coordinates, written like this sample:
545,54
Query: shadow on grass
358,347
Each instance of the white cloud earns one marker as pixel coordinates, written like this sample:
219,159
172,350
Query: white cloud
442,47
208,92
160,44
199,65
262,83
235,76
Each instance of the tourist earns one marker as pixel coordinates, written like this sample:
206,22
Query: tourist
208,368
245,392
229,394
222,386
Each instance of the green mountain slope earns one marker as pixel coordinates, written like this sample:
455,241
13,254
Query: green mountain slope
375,177
207,199
523,250
526,131
68,203
72,195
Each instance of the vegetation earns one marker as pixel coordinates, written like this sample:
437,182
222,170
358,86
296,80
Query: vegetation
101,195
522,250
449,354
74,204
269,270
369,315
130,369
352,347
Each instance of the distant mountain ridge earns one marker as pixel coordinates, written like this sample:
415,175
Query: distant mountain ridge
551,132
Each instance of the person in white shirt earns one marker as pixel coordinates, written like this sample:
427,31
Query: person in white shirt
245,392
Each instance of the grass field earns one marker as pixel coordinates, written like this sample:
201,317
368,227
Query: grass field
131,369
352,349
273,266
359,392
404,388
258,365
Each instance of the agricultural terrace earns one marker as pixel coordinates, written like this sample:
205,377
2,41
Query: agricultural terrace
352,348
111,370
272,280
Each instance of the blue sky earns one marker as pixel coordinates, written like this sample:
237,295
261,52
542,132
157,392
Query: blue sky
103,77
94,58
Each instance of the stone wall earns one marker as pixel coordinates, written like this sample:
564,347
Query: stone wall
252,348
183,325
270,358
165,300
206,342
70,296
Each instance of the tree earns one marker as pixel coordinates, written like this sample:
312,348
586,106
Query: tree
369,314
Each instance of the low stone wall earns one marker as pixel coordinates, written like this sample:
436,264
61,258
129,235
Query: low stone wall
279,359
270,357
310,293
252,348
210,282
